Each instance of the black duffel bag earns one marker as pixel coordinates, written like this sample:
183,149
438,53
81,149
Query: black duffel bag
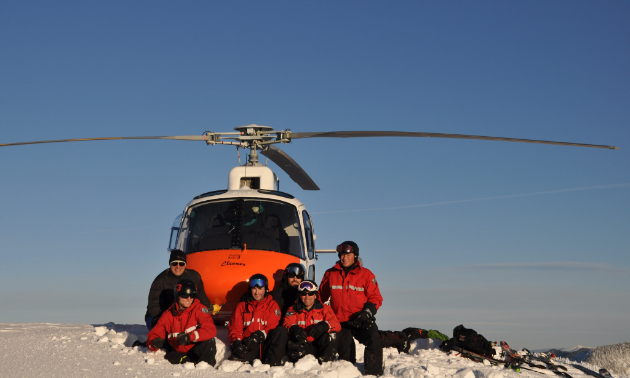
468,339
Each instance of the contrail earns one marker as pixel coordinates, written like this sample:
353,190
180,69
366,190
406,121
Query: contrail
118,229
483,199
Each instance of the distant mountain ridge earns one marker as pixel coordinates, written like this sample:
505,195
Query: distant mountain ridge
578,354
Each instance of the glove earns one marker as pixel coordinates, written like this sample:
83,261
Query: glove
318,329
157,343
183,339
298,333
295,351
254,340
360,318
238,349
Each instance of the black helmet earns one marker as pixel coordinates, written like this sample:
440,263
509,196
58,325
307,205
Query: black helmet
259,280
185,288
295,268
348,247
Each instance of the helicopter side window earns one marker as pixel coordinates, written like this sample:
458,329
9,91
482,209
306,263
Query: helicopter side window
308,230
172,243
261,224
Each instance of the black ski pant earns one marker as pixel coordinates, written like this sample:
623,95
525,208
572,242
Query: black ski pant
367,335
203,351
324,348
272,349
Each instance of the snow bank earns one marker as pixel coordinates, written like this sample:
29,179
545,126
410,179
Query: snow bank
75,350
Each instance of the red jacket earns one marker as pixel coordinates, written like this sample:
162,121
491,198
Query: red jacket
251,316
300,316
195,320
349,293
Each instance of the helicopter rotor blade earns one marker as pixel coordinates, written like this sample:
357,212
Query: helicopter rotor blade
362,134
175,137
293,169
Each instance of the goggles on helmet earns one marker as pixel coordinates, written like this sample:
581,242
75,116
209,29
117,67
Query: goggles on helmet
295,271
257,282
307,286
344,248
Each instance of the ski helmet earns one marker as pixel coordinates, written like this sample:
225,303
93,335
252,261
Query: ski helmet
296,269
259,280
348,247
185,288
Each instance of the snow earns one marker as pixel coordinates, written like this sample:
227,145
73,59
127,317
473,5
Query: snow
76,350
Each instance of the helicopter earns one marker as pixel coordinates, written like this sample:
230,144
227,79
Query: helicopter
253,227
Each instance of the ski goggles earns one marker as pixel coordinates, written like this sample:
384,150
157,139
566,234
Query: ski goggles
344,248
257,282
294,271
307,286
180,263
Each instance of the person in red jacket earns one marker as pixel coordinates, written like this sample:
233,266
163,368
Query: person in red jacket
187,326
355,297
312,326
251,324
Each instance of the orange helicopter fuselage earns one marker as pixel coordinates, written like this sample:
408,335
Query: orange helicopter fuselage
225,273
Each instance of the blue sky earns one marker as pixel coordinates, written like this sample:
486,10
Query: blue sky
525,243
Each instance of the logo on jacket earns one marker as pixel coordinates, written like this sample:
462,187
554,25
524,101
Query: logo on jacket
277,312
205,310
225,263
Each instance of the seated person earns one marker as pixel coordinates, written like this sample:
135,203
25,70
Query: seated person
188,326
311,324
286,291
250,325
161,293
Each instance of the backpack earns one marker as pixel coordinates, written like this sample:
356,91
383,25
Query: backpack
470,340
398,340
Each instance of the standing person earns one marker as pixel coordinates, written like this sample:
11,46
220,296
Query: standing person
250,325
161,295
285,293
355,297
312,326
187,326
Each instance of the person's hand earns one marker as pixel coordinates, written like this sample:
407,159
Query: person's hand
157,343
360,318
298,333
183,339
254,340
318,329
238,349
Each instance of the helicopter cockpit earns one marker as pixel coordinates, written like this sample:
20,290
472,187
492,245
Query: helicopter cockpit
264,225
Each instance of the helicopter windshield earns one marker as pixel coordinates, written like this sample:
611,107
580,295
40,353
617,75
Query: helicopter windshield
261,224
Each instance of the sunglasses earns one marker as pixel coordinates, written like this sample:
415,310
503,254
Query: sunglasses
309,293
175,263
293,275
186,296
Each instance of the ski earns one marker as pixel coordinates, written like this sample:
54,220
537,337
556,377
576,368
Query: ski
513,355
546,359
590,372
480,357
